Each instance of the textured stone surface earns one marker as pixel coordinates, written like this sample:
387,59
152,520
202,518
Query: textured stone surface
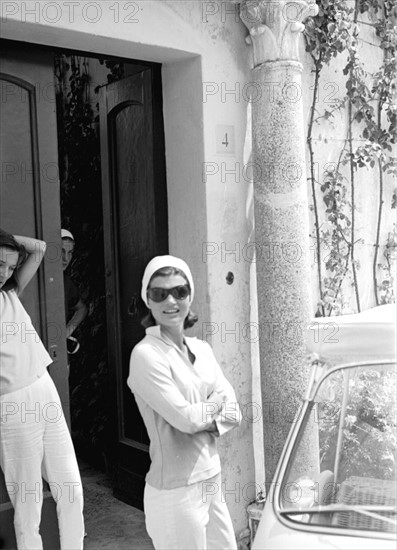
284,297
282,229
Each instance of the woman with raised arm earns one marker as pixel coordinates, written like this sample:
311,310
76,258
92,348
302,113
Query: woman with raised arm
34,437
186,404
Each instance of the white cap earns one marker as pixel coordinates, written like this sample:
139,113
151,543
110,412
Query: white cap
165,261
65,234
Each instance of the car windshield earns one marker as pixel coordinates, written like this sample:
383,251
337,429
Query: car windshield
342,472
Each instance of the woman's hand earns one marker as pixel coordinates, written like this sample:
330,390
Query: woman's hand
218,399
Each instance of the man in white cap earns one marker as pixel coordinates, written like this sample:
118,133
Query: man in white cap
75,308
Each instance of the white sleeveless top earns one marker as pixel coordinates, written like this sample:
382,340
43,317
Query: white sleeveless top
23,357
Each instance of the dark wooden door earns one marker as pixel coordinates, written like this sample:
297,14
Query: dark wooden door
29,198
135,230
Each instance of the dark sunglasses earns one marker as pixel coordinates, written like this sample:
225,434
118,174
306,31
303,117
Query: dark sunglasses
158,294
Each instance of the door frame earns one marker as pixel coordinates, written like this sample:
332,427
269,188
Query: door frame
182,94
116,380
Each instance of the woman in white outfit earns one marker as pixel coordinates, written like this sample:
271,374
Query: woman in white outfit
34,437
186,404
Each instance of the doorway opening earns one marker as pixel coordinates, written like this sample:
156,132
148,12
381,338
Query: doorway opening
113,200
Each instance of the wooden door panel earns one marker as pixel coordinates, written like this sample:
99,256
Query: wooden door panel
19,178
131,195
30,205
30,198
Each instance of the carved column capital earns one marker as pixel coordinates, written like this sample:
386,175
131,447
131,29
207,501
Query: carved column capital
275,26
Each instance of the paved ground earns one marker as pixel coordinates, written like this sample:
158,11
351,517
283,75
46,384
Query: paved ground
110,523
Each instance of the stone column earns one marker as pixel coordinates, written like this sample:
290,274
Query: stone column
281,211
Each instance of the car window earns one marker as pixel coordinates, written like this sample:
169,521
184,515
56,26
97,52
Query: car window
342,472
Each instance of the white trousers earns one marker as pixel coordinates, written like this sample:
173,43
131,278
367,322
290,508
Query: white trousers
194,517
35,442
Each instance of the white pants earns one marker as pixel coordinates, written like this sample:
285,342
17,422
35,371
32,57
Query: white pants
194,517
35,442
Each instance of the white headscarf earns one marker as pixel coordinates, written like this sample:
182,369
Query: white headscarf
65,234
165,261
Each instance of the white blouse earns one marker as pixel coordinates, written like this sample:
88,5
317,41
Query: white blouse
23,357
170,393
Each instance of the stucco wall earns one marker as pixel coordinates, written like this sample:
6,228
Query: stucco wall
225,71
210,210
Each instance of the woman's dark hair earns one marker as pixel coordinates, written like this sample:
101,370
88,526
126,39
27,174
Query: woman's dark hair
8,241
148,320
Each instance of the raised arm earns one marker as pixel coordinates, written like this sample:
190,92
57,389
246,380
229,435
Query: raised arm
35,250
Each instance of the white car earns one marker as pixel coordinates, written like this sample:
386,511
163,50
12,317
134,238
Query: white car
335,484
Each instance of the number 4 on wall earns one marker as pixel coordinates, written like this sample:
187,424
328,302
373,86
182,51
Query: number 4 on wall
224,139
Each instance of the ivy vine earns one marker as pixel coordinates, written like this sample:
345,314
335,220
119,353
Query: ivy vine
370,107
